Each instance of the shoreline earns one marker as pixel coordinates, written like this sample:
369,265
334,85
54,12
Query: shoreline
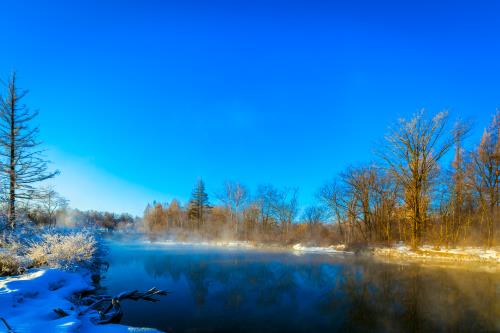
28,302
399,252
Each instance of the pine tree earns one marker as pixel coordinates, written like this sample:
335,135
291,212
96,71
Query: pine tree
199,206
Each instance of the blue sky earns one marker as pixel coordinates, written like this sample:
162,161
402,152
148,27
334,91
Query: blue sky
138,99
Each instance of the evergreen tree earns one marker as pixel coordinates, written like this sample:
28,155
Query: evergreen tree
199,206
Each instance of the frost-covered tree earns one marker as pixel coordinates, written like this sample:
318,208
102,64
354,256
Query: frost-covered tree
412,153
23,164
50,202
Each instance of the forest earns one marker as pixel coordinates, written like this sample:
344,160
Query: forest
423,186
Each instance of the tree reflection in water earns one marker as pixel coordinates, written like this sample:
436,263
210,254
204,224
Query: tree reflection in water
219,290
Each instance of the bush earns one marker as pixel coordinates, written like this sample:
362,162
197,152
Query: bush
62,250
10,264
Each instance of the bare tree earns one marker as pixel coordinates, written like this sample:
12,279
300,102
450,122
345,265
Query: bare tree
412,153
456,218
332,196
264,198
313,216
235,197
284,207
360,187
24,162
50,202
486,176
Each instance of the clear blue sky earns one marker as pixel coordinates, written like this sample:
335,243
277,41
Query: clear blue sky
138,98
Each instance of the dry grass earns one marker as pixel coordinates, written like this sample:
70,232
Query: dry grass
62,250
10,264
52,249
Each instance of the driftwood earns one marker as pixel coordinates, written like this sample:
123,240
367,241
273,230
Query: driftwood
109,308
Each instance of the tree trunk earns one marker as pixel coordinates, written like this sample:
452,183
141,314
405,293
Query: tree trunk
12,170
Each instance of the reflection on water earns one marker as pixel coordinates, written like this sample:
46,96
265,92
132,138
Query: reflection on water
224,290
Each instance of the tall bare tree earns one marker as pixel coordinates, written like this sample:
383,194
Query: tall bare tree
264,198
235,197
285,207
412,153
486,176
23,161
333,198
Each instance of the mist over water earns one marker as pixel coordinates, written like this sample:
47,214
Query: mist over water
216,289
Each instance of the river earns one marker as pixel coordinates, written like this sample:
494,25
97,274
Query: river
216,289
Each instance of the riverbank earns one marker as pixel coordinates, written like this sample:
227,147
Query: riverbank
427,252
28,301
398,251
44,300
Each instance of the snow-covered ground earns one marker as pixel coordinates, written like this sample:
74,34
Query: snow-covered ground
466,254
299,248
27,303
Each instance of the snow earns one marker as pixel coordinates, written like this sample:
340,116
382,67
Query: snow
469,254
27,302
299,248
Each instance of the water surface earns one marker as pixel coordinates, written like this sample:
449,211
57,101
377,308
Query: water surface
236,290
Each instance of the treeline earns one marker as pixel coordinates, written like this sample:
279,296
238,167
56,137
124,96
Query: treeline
423,186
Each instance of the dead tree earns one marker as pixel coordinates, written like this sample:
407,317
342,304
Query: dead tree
24,164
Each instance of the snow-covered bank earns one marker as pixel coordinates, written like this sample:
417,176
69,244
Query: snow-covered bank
339,249
27,303
297,248
399,252
427,252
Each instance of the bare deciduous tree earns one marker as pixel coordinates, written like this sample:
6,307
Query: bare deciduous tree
486,176
50,202
412,153
313,216
234,196
285,207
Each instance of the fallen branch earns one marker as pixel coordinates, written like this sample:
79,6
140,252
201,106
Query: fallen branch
60,312
9,329
109,308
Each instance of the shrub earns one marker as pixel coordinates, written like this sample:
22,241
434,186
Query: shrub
10,264
62,250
